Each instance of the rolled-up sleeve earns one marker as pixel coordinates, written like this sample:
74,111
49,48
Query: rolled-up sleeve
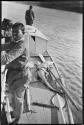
3,58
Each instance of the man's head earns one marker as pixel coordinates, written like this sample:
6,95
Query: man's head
6,24
6,28
18,31
30,7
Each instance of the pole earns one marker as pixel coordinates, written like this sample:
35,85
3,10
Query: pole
61,83
65,91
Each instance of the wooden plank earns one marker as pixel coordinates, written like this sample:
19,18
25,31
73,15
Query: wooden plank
42,115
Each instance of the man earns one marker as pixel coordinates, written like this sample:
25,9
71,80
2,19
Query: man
6,30
6,34
16,61
29,16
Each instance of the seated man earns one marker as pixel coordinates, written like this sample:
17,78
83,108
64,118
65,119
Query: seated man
18,72
6,27
6,34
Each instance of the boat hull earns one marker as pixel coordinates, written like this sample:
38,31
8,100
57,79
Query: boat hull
40,93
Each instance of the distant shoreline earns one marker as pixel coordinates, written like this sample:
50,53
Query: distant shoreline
67,7
74,6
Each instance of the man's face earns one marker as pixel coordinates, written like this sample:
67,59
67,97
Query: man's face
17,34
8,32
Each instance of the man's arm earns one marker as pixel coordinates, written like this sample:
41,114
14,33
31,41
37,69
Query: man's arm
5,47
25,15
18,49
33,15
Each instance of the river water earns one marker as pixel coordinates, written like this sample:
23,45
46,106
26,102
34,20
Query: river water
64,31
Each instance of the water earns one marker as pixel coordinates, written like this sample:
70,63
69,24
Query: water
64,31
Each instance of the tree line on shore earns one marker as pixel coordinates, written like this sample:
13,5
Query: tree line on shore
75,6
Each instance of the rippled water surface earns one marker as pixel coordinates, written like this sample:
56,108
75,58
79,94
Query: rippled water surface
64,31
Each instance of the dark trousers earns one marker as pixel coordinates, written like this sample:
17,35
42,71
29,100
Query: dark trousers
29,22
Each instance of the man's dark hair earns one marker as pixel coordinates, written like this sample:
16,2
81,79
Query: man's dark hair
19,26
30,7
6,24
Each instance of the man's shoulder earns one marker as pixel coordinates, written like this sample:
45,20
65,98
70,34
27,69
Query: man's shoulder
6,46
27,11
16,46
19,44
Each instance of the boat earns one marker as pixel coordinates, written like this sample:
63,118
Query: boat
46,105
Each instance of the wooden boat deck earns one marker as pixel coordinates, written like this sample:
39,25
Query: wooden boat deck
40,93
43,115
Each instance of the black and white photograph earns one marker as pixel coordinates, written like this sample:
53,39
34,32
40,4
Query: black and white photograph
41,62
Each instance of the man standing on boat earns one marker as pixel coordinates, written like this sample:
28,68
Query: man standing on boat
16,61
29,16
